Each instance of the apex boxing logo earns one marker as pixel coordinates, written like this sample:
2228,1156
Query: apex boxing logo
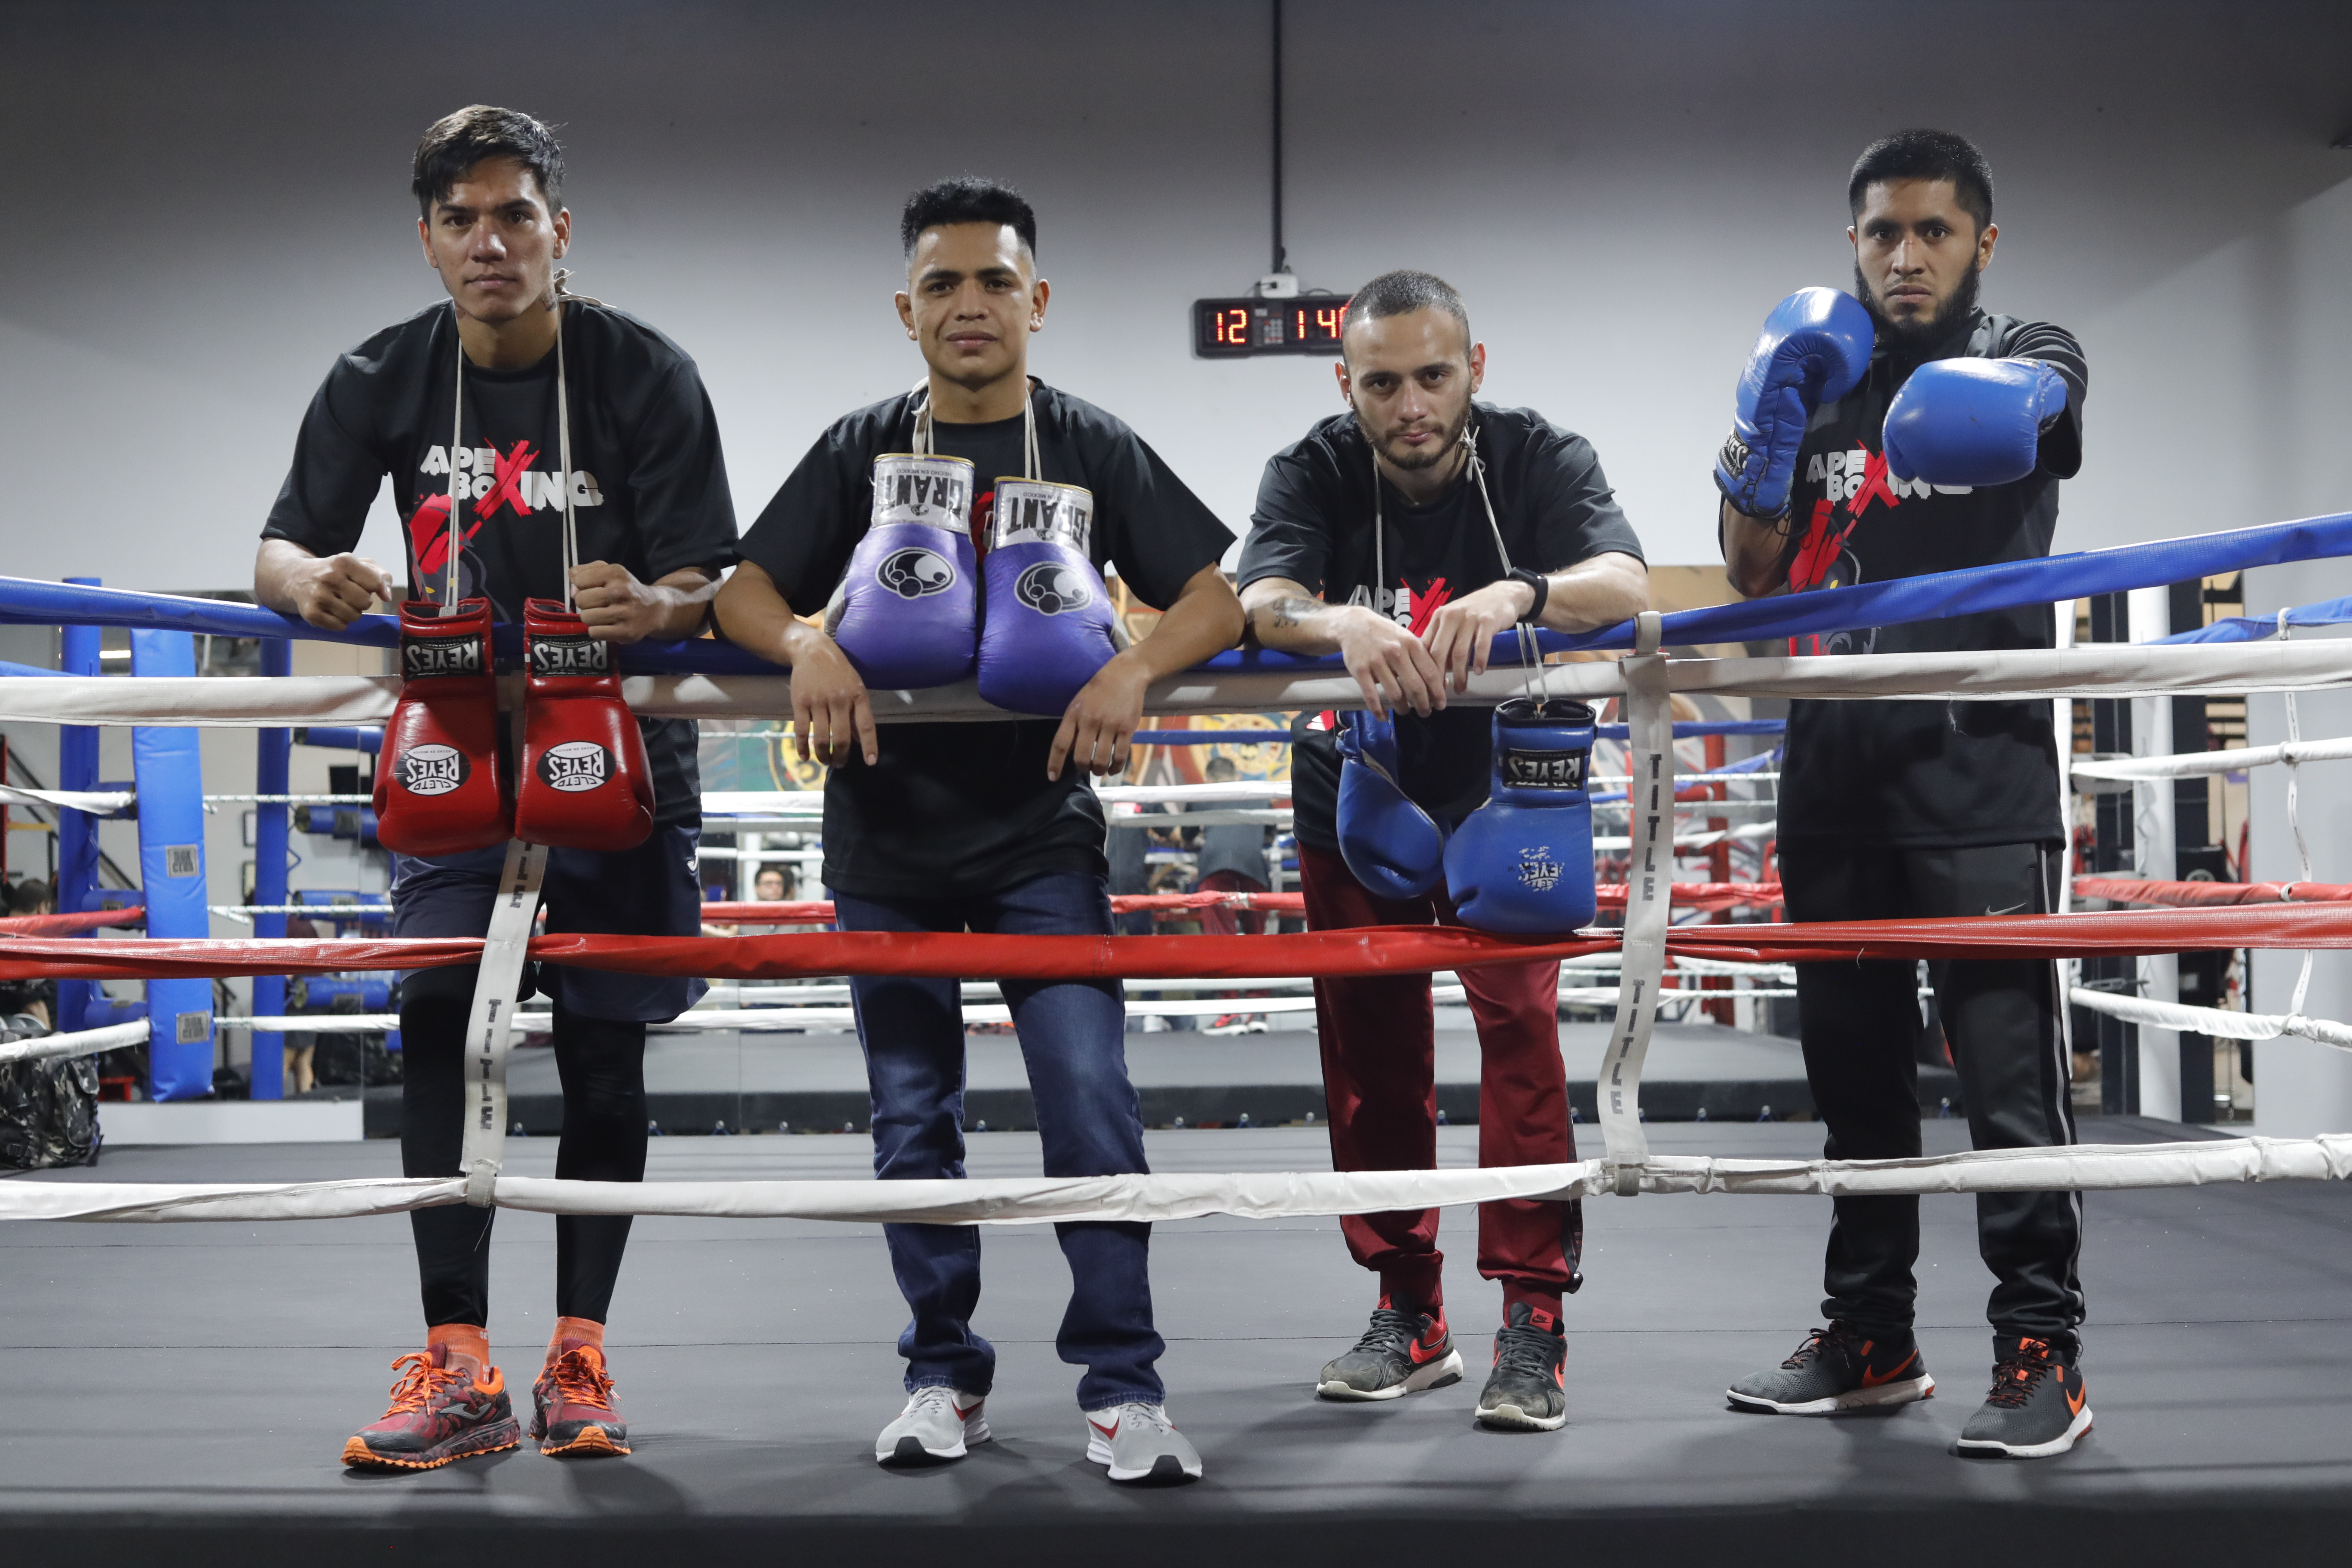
1407,606
1051,588
422,657
1538,870
492,479
432,769
574,767
570,654
916,573
1860,474
1544,769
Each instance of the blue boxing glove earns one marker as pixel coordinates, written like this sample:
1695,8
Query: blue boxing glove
1522,863
1972,421
1393,846
1049,625
1813,350
907,610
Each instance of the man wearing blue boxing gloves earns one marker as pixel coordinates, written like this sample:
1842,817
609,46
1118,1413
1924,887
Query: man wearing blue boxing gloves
987,826
1406,534
1899,431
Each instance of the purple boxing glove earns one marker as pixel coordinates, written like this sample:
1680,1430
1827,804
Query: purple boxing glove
1972,421
907,610
1049,625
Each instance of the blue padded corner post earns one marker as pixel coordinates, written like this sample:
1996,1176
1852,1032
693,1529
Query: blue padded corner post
77,831
269,776
167,768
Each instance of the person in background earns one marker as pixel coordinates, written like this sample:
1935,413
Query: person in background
1233,860
36,997
300,1048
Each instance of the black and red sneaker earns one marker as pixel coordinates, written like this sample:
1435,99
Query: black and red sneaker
1404,1352
439,1413
2038,1405
572,1410
1839,1367
1528,1391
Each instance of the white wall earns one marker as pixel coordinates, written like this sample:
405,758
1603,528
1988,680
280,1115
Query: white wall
209,202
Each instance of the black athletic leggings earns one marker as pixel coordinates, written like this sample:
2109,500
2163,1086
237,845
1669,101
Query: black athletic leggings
603,1065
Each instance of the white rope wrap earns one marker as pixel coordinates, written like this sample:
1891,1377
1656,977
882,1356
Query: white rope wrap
2205,764
79,1043
2220,1022
97,803
1246,1195
2105,669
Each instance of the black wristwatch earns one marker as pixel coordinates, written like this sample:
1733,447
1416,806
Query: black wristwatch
1542,586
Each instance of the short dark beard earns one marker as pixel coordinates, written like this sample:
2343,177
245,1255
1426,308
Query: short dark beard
1437,452
1918,335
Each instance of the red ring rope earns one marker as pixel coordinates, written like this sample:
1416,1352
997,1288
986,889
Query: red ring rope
1371,949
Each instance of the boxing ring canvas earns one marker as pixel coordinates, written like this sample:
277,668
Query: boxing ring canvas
2222,1356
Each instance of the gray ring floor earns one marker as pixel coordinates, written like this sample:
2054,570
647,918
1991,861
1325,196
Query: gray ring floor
184,1390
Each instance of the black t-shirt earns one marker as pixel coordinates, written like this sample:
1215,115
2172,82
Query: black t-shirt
1314,526
648,487
1925,775
955,809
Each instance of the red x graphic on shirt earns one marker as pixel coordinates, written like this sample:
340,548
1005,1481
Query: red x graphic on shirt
1420,607
1873,484
510,469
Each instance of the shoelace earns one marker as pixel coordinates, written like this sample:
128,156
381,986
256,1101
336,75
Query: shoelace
1528,1350
1816,1345
2015,1377
1391,1330
421,1382
1151,1417
930,1396
579,1378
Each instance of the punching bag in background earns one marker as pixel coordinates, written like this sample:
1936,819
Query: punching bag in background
167,771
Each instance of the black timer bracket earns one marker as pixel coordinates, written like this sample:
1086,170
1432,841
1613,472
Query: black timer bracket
1251,325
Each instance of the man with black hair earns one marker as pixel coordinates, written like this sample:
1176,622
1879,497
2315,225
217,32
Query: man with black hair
648,498
1405,535
989,827
1912,433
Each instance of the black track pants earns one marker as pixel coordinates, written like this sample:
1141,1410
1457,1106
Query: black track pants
603,1065
2004,1021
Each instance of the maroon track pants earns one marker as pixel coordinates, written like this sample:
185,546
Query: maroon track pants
1380,1080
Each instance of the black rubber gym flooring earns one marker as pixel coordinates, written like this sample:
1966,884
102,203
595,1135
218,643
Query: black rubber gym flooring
817,1080
180,1392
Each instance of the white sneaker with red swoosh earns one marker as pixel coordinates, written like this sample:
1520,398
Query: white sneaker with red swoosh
938,1425
1138,1445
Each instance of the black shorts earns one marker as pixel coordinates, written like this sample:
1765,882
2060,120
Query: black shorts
653,889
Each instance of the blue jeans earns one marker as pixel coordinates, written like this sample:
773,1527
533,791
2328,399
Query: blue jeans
1074,1039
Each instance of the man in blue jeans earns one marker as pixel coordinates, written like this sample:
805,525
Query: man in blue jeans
989,827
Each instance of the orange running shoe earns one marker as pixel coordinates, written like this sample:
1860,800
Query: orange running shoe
439,1412
573,1404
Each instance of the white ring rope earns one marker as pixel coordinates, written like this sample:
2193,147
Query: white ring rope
78,1043
1247,1195
2218,1022
1647,681
2102,669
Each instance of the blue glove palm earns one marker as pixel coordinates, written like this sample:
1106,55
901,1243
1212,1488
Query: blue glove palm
1391,846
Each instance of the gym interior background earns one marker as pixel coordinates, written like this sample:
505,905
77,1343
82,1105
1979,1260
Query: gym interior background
211,202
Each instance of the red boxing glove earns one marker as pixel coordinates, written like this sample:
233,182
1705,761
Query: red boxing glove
437,780
585,782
